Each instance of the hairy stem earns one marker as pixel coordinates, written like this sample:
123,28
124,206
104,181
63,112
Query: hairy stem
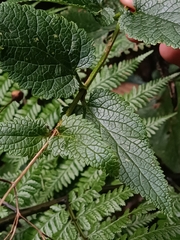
79,96
91,77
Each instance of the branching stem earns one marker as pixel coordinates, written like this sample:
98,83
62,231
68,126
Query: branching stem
91,77
74,220
81,94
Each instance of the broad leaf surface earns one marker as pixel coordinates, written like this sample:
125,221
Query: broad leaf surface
153,22
23,136
125,133
103,15
41,52
79,139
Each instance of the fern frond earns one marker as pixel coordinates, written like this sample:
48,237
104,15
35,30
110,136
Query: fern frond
154,123
5,85
83,199
52,222
55,180
140,221
111,76
140,96
8,113
157,233
108,229
92,178
30,186
89,184
123,45
31,109
51,113
104,206
140,217
13,163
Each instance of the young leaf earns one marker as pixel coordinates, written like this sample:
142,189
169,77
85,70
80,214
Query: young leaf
23,136
126,134
41,52
79,139
153,22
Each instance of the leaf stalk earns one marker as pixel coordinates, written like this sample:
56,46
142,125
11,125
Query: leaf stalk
93,74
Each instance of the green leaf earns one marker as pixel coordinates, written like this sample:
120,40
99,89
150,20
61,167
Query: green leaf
30,109
105,16
23,136
153,22
138,97
124,131
104,206
108,228
91,5
79,139
111,76
51,113
160,233
153,124
52,222
42,52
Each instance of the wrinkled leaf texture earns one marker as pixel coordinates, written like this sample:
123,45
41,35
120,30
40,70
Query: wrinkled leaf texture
124,131
41,52
79,139
23,136
153,22
92,5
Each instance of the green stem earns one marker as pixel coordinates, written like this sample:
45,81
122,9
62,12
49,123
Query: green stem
74,220
91,77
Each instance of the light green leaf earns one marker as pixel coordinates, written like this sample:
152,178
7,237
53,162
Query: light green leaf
153,124
159,233
79,139
112,76
124,131
153,22
138,97
23,136
41,52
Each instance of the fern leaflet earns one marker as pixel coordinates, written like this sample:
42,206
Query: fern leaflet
111,76
153,124
140,96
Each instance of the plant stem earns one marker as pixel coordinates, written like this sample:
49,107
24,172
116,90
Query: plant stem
13,184
73,218
31,210
91,77
70,110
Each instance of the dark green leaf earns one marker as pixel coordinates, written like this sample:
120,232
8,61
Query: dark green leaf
153,22
79,139
41,52
23,136
105,16
126,134
91,5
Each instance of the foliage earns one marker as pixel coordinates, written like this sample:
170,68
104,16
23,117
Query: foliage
160,18
74,153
